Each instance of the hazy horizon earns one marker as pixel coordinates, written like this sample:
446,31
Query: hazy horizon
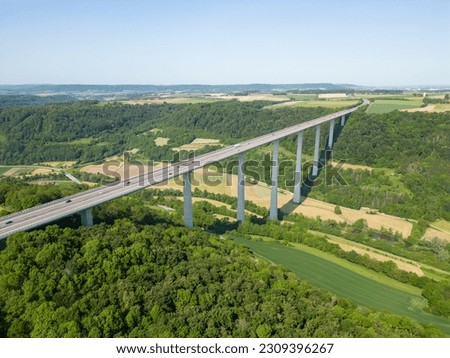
362,86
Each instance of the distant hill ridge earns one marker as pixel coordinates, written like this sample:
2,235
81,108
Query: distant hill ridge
190,88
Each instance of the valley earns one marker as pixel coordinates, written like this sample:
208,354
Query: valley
367,223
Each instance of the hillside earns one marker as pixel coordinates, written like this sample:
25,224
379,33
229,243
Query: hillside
415,146
396,163
90,131
149,277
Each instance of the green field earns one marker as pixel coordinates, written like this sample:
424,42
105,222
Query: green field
331,103
81,141
344,282
302,97
388,105
442,107
4,169
442,224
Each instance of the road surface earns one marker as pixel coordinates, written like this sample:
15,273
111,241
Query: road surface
54,210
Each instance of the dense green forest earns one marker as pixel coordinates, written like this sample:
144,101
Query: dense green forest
432,253
415,145
409,151
31,100
147,276
90,131
140,273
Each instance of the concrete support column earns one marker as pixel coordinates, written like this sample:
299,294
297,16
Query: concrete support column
298,169
187,200
273,215
342,120
86,217
331,134
315,168
241,189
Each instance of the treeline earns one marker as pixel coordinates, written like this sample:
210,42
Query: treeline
16,100
437,293
428,100
415,145
296,234
435,253
134,278
86,131
421,196
395,139
17,195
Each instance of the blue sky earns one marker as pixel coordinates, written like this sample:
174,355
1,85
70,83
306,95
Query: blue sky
380,43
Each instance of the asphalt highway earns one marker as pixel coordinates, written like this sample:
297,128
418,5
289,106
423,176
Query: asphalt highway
54,210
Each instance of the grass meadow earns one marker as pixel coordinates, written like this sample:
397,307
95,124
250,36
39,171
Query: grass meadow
344,282
388,105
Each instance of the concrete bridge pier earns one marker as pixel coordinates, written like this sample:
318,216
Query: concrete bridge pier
298,169
315,168
331,135
241,189
273,214
86,217
342,120
187,200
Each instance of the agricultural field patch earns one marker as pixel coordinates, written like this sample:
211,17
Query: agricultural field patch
378,255
431,108
197,143
431,233
351,166
332,95
161,141
4,169
336,103
302,96
119,169
251,97
442,224
42,171
18,171
173,100
80,141
65,164
11,171
388,105
218,183
344,282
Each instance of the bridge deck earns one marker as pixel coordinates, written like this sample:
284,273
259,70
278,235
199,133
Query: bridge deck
54,210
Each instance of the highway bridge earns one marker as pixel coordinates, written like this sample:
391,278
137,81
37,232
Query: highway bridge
83,203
